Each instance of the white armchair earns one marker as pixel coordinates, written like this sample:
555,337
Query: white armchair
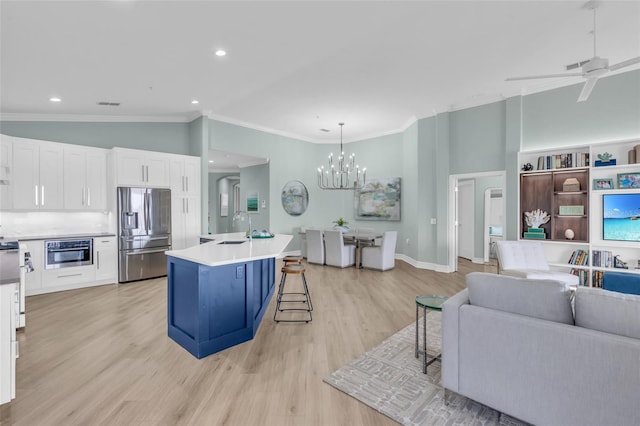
382,257
526,259
338,253
315,246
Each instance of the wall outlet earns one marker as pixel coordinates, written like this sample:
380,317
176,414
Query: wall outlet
407,241
433,221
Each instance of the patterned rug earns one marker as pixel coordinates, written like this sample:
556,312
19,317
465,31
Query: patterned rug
389,379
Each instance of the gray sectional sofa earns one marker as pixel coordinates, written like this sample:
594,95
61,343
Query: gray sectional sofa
516,345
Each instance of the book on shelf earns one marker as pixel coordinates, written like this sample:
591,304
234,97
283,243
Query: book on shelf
597,279
602,258
580,257
563,161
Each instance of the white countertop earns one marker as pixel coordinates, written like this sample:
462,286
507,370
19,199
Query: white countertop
214,253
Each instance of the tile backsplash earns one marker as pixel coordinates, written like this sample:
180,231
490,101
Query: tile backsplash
55,223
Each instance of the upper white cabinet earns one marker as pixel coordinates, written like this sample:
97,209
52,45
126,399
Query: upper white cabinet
6,171
141,168
37,175
85,178
185,201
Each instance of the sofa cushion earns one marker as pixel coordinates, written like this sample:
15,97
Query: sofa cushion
608,311
545,299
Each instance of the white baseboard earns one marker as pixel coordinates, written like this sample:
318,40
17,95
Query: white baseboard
404,258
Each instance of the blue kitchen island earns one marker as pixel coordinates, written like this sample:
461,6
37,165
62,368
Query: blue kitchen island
218,292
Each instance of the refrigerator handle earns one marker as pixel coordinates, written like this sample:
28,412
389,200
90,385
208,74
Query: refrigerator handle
146,211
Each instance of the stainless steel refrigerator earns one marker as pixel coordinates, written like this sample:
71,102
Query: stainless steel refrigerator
144,232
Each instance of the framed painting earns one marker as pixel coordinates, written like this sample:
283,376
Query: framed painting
378,199
252,202
224,205
295,198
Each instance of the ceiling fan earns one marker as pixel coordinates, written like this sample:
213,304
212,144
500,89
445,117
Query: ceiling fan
592,69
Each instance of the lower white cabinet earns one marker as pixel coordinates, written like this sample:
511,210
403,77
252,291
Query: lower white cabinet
103,271
8,342
61,278
105,258
33,280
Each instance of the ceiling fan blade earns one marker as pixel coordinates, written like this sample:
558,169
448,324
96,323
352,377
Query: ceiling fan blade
576,65
586,89
531,77
624,63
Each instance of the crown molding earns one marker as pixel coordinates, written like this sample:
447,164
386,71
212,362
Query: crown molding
96,118
248,125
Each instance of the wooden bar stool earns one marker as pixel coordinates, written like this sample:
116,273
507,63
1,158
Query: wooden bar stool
283,302
292,259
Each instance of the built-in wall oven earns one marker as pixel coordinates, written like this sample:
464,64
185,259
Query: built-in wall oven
68,252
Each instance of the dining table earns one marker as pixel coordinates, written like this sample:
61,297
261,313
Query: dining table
358,238
361,239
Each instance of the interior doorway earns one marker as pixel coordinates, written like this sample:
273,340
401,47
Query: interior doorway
481,182
466,216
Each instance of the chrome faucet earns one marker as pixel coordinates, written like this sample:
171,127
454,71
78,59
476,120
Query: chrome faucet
240,216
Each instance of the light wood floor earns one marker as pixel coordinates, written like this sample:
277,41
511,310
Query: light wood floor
102,356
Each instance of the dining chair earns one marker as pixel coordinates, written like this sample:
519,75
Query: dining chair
382,257
337,252
315,246
364,243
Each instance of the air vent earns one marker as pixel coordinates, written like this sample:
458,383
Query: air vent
325,130
114,104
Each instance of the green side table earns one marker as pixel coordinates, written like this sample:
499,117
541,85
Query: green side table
433,303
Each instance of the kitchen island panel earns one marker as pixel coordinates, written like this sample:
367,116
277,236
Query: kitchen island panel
211,308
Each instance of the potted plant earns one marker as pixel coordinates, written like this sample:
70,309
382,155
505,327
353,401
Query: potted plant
341,224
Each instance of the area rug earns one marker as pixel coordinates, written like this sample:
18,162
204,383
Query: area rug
389,379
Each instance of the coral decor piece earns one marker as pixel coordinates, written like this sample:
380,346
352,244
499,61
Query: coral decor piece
536,218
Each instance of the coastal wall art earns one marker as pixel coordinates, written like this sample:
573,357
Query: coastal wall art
379,199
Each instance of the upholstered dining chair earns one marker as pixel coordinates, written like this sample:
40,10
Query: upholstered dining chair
382,257
337,252
315,246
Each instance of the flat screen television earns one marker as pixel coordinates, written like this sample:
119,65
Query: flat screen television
621,217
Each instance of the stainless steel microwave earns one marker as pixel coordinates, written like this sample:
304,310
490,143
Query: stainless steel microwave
68,253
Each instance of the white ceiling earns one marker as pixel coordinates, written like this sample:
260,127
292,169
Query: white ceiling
293,67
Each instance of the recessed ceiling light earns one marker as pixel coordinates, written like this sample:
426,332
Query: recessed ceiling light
221,52
195,101
54,99
211,161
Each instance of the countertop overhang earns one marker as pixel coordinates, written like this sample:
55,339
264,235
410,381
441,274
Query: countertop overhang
217,253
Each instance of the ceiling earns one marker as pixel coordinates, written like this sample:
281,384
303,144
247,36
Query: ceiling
293,68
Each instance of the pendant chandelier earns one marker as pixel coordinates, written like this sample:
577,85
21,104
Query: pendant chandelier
340,174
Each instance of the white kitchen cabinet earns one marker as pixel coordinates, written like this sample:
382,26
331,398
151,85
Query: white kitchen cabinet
8,342
6,172
37,175
185,221
185,174
33,280
141,168
85,178
105,252
67,278
185,201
